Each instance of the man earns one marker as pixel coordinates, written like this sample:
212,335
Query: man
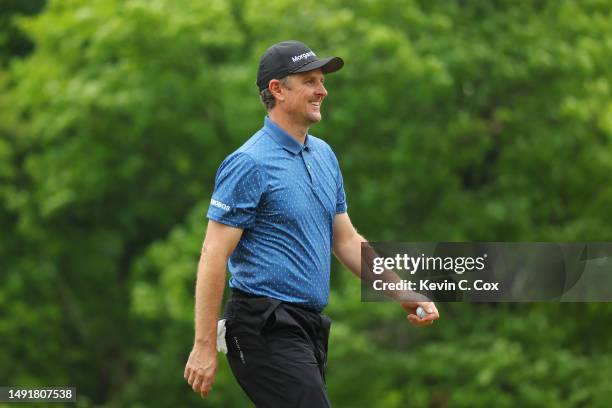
277,212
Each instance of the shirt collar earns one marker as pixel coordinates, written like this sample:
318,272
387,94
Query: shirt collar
283,138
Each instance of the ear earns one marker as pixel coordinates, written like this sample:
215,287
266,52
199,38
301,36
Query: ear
275,88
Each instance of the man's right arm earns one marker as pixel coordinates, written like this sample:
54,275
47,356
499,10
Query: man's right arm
219,243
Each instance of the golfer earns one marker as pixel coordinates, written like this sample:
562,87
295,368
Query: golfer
277,212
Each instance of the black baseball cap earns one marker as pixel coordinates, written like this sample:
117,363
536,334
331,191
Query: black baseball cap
290,57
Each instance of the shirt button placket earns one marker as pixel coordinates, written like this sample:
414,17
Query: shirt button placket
313,180
308,167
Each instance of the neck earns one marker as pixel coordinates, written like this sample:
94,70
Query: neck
295,130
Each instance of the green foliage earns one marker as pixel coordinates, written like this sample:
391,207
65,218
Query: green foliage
451,120
13,42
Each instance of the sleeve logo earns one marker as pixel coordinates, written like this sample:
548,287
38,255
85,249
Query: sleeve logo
220,205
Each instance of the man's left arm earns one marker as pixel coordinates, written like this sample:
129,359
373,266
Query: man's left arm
347,248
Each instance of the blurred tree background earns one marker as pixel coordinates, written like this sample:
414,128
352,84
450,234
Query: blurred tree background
452,120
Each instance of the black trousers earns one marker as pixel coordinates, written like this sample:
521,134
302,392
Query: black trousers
277,351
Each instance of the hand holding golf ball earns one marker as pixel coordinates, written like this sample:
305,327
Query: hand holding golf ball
421,313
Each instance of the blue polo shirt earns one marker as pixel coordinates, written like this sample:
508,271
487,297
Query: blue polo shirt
284,195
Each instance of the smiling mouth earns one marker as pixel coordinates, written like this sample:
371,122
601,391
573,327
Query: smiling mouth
316,104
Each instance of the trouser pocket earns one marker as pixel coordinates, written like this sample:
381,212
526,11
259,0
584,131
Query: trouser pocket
323,342
245,322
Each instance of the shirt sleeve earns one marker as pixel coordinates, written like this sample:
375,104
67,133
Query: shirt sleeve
341,206
238,190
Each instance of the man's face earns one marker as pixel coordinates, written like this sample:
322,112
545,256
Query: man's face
304,95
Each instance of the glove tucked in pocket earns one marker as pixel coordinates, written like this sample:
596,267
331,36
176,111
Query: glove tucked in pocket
221,345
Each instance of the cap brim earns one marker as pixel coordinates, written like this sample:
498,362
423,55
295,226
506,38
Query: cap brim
327,65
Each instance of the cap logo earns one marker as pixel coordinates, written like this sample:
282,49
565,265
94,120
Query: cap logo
297,58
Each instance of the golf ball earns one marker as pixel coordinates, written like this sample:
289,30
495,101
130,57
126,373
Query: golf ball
421,312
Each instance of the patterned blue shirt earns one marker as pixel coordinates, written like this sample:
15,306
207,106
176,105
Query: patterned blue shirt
284,195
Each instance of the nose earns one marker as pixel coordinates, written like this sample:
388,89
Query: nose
321,91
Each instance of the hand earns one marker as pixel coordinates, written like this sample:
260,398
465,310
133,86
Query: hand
200,369
430,308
